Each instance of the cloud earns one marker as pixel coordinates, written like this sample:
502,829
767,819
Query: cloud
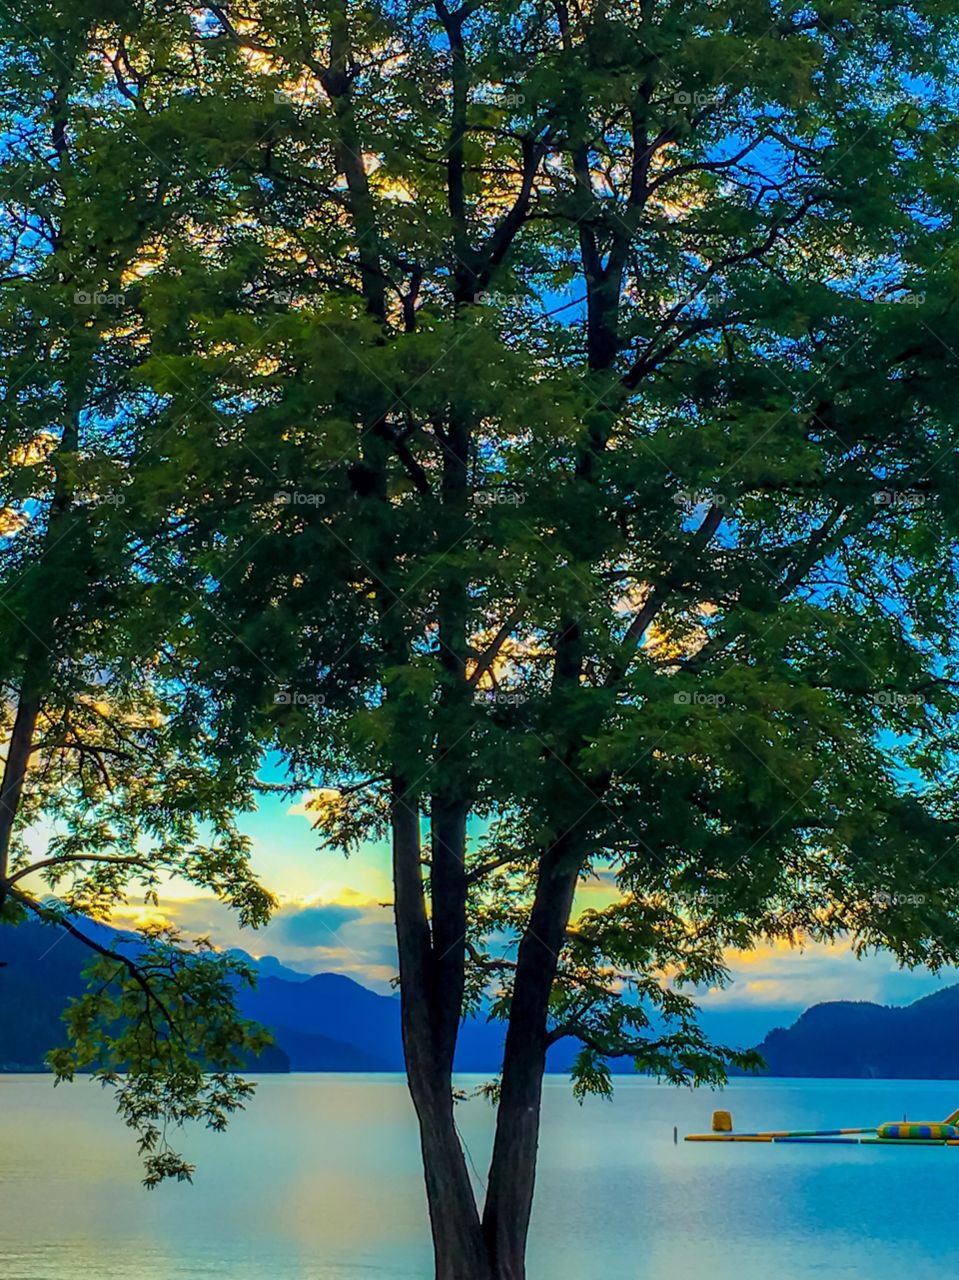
312,926
351,935
311,802
777,976
354,937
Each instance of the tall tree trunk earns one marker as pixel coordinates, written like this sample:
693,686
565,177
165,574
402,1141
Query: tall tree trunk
451,788
458,1247
337,80
509,1197
433,997
19,750
454,1218
37,636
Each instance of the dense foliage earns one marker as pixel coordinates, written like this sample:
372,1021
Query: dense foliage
103,797
536,424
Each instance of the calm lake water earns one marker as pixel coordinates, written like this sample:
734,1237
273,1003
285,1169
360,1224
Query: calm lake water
320,1180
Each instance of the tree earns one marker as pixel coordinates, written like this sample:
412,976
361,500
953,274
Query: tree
101,798
555,415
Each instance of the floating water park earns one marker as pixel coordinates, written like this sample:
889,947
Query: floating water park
894,1133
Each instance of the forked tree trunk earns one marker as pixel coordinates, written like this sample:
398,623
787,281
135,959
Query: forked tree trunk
458,1244
496,1250
509,1197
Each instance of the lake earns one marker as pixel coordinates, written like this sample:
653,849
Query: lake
319,1180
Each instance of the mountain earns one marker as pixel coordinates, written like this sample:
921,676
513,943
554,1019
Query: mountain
270,966
40,975
332,1003
320,1022
41,972
308,1051
858,1040
328,1022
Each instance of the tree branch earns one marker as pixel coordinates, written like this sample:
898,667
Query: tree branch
62,859
659,595
491,653
129,964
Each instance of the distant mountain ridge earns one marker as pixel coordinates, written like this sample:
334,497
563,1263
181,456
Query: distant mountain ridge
42,971
320,1022
857,1040
328,1022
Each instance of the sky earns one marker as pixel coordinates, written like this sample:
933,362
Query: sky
334,916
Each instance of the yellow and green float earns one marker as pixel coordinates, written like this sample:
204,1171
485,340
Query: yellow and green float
926,1133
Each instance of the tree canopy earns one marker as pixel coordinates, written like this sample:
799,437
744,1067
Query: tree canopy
103,795
535,425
